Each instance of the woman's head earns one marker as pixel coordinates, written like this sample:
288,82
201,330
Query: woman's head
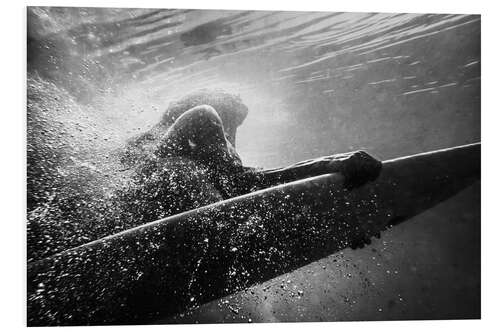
229,107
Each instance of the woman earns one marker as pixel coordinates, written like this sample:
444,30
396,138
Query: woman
189,160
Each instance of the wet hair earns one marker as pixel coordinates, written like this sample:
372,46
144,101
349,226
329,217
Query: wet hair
230,107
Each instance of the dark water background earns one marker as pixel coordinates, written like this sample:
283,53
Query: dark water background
315,84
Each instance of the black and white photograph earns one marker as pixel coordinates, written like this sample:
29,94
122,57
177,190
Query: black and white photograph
213,166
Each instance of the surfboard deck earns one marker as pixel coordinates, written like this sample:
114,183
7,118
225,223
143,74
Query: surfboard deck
168,266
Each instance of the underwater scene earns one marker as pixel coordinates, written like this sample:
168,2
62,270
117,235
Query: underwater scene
106,86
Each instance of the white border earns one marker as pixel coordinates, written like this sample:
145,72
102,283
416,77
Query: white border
13,133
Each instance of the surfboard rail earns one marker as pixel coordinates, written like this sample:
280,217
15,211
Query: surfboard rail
167,266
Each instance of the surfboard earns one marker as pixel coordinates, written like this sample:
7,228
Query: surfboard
168,266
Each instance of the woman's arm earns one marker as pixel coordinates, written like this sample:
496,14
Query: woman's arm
357,167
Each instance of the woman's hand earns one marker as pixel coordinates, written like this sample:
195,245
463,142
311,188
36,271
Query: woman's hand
357,167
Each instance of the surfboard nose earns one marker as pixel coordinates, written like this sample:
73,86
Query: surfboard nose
415,183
